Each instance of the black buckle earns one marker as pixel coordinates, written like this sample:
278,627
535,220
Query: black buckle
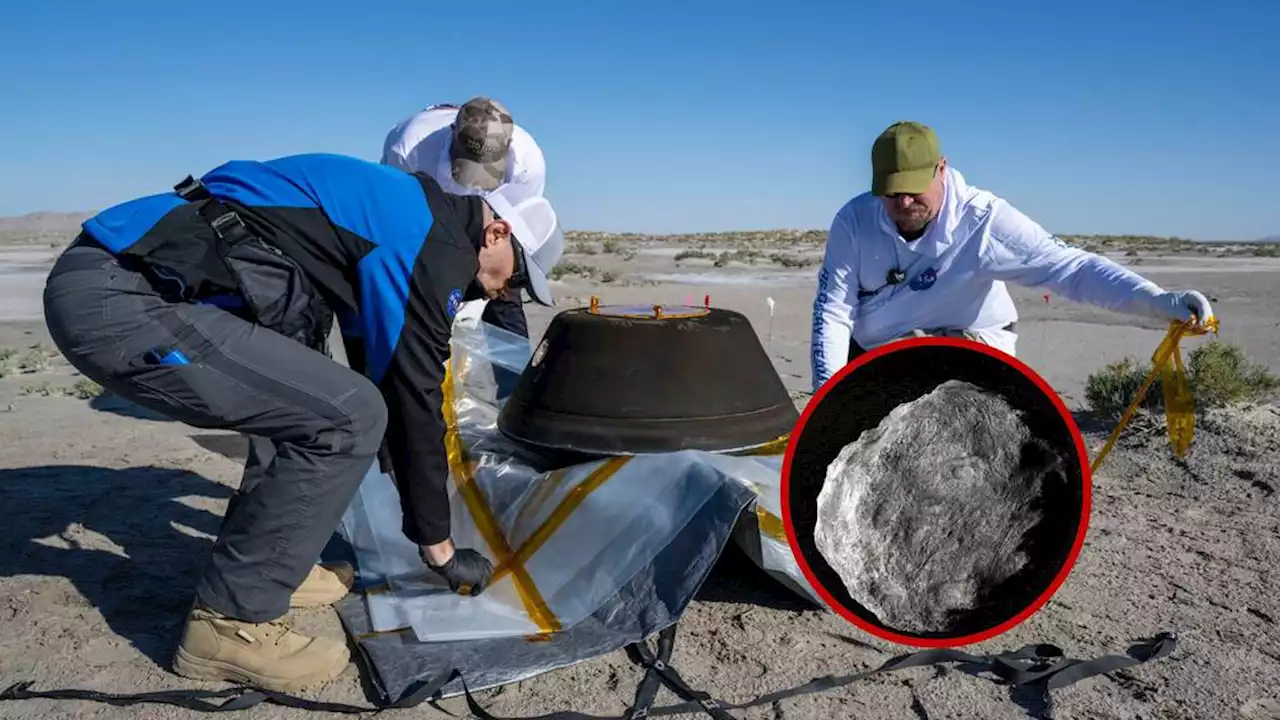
229,218
191,189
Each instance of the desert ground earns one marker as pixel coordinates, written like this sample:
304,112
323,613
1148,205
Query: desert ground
110,510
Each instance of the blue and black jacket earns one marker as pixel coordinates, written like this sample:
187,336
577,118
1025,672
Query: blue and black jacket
391,254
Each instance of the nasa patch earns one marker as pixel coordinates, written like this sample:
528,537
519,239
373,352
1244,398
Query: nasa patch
455,302
924,280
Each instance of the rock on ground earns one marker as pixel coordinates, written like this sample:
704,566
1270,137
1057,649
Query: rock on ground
923,514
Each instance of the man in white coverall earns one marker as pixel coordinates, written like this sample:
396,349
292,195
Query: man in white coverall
473,149
472,157
925,253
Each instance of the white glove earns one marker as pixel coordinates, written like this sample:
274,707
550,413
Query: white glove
1180,305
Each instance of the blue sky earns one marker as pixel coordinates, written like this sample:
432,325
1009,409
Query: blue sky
659,116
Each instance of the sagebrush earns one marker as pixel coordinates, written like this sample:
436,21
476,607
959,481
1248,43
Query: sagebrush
1218,373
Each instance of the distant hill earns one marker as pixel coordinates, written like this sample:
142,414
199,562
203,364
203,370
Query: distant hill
60,227
44,222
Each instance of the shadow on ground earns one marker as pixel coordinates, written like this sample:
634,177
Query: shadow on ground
736,579
116,405
228,445
1091,424
120,536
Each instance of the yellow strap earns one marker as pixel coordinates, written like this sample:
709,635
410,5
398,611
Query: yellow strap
541,495
461,470
512,563
557,517
771,525
1179,404
777,446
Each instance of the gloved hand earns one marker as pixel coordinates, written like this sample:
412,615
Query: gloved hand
1180,305
467,572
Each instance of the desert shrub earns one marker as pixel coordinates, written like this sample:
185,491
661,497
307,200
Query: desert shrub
6,361
85,389
1109,391
1219,375
746,256
694,255
1223,375
792,261
563,269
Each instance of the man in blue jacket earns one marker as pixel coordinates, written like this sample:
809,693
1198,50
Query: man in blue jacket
212,305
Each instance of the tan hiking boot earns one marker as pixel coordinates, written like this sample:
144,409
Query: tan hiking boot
268,655
325,585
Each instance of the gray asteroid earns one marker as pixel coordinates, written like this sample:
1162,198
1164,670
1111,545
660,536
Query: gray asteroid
922,514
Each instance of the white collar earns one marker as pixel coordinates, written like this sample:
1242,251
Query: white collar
953,223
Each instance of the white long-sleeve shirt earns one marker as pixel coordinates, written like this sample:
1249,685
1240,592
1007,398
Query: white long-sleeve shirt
955,275
420,143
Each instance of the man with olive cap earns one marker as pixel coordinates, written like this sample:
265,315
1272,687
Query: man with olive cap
925,253
472,149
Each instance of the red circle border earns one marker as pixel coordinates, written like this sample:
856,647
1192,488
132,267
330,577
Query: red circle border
1085,506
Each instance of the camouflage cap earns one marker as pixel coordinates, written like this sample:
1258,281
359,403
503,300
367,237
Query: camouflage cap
481,139
904,159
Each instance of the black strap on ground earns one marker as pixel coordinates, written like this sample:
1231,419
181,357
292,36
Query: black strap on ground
1044,665
1035,665
236,698
647,690
658,666
658,671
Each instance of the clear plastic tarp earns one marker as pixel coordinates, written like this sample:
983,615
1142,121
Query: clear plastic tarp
563,540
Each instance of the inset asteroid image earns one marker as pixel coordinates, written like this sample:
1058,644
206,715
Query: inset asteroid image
925,514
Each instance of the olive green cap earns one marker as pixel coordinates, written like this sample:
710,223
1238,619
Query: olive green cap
904,159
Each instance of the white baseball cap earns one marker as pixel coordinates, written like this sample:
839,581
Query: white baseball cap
537,233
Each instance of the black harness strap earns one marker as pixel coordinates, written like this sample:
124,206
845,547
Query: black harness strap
188,271
1045,666
226,223
647,690
659,666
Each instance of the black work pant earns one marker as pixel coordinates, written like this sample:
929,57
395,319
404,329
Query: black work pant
315,426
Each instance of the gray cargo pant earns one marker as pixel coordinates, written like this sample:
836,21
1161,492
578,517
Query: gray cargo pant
314,426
